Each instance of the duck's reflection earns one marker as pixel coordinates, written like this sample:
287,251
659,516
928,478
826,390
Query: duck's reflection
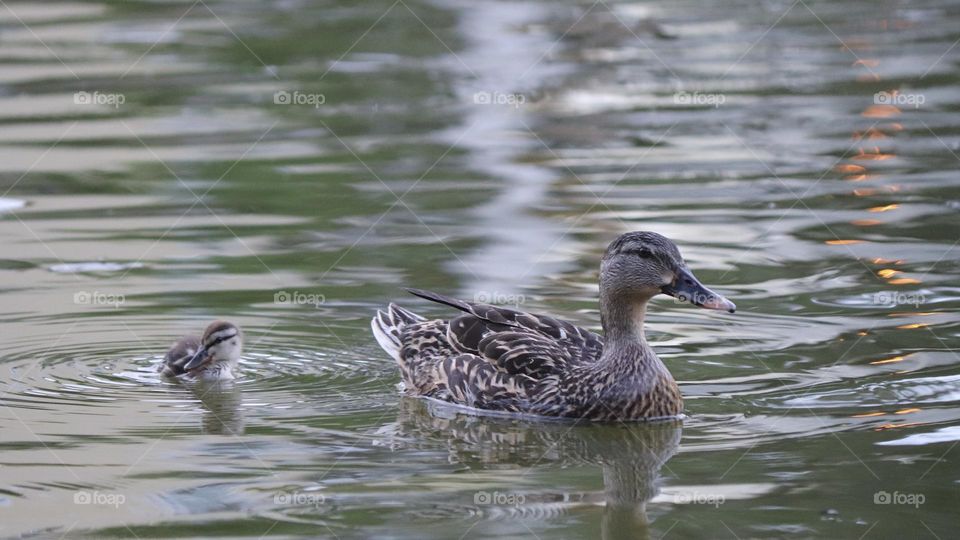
629,456
222,410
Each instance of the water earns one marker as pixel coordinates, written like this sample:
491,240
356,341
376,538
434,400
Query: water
749,133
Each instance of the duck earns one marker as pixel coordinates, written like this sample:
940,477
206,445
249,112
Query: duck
214,356
503,360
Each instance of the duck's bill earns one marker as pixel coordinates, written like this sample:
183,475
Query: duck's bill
199,358
687,288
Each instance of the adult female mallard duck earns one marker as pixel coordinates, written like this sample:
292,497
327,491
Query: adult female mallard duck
505,360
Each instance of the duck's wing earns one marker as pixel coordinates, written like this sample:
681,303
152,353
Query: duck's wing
431,366
470,380
179,354
516,341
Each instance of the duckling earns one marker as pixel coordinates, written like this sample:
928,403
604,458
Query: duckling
212,357
499,359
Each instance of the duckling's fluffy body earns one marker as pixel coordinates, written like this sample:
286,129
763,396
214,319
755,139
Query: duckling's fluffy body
212,357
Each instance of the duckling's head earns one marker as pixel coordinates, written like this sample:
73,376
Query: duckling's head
640,265
220,346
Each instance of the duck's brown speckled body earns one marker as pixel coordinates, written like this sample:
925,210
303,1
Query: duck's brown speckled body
506,360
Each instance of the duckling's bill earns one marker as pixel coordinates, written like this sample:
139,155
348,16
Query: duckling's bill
687,288
199,358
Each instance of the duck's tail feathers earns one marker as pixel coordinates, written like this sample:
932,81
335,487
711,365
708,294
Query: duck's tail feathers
486,312
387,325
442,299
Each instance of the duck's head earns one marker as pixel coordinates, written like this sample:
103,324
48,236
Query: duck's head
640,265
221,343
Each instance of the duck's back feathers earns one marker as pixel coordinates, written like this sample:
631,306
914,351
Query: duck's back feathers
179,354
526,353
489,357
474,331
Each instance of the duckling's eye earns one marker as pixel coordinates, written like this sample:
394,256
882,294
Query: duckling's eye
642,252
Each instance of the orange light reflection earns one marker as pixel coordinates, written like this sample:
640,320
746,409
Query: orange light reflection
850,168
893,360
880,111
896,426
843,242
912,326
873,155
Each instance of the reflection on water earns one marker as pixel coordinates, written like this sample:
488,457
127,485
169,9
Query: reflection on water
222,414
803,155
629,457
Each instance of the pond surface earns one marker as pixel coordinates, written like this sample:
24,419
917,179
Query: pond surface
292,165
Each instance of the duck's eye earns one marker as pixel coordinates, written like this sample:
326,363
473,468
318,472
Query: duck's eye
642,252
